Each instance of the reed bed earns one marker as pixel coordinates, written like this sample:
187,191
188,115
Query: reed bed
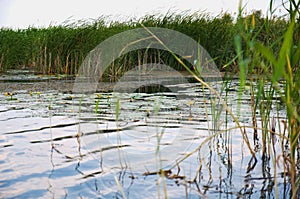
262,50
264,60
61,49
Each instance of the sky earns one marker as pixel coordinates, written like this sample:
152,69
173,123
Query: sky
42,13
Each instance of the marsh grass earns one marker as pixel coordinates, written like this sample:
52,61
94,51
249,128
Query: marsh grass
261,50
272,66
263,64
61,49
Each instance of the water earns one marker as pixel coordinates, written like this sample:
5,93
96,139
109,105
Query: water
57,144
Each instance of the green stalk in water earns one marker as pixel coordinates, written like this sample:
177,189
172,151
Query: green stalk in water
97,107
283,69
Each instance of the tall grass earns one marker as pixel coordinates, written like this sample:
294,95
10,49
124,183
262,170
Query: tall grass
61,49
264,61
273,61
260,49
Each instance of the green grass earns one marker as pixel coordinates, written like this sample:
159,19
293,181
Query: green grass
61,49
266,55
273,61
260,49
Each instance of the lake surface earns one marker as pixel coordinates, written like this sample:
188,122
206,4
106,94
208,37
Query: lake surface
177,142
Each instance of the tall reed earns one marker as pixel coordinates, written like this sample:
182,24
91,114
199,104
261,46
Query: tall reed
264,64
273,61
61,49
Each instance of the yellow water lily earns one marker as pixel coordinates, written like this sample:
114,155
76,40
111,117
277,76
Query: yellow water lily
38,93
148,112
99,96
191,103
8,94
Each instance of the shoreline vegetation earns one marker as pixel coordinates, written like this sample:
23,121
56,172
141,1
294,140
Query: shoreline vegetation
252,45
61,49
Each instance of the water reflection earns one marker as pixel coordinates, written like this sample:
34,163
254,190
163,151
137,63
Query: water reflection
54,147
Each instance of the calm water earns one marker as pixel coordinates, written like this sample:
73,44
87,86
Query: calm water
56,144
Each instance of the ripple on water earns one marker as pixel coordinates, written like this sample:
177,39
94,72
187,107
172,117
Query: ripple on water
56,145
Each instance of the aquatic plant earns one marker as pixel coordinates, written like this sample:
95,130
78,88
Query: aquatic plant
264,51
61,49
274,66
10,94
260,62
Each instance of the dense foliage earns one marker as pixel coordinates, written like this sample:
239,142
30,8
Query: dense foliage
61,49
